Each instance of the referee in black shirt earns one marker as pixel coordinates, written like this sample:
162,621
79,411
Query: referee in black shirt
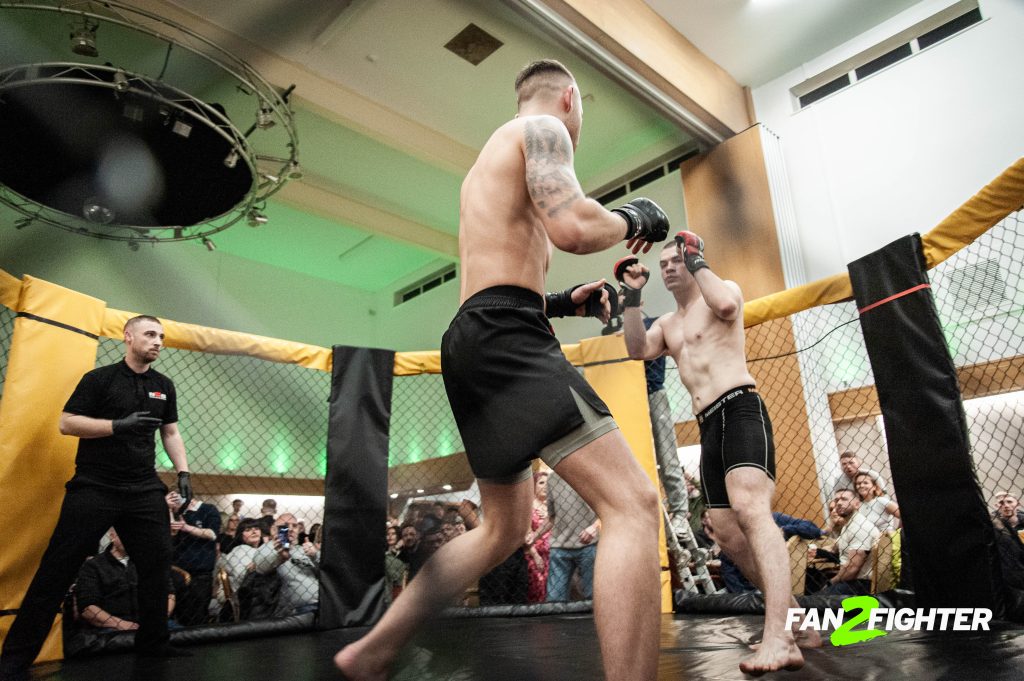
114,411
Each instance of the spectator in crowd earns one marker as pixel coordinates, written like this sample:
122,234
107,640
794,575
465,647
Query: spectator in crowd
194,531
106,592
878,509
574,536
410,538
1009,510
1011,560
850,464
734,579
854,546
470,514
299,570
250,566
393,544
315,530
452,526
252,551
538,541
429,538
394,567
226,538
269,509
236,507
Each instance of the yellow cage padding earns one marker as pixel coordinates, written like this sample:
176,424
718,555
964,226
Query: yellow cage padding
35,459
995,201
623,387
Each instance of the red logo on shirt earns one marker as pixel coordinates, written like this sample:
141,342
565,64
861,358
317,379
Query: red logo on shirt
158,396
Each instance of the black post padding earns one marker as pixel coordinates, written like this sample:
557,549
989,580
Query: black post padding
955,559
355,511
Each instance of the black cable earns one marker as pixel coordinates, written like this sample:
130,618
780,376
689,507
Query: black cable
167,59
787,354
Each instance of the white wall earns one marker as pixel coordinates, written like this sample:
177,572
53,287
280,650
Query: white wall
897,152
419,324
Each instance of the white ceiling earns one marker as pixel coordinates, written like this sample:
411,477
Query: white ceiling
389,120
757,41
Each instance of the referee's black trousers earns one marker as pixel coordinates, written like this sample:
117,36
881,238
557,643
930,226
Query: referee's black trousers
141,518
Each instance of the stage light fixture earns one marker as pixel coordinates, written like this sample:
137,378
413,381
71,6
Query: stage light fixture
83,38
265,118
257,218
212,157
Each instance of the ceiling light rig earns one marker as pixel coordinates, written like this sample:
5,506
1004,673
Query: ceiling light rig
115,144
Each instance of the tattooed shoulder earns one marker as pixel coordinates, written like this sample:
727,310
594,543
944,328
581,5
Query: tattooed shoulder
549,176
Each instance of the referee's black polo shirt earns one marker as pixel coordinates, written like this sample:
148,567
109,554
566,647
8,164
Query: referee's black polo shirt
114,392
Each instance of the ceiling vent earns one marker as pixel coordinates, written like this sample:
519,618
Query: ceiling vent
473,44
431,281
643,175
933,30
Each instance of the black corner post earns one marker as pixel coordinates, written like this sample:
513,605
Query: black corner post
947,529
356,488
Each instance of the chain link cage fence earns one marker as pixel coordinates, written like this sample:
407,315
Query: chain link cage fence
979,294
256,431
248,548
433,498
833,470
6,332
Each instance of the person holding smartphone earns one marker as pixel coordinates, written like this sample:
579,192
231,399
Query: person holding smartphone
299,569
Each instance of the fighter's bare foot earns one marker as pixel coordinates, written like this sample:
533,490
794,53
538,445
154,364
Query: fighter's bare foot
807,638
772,656
356,668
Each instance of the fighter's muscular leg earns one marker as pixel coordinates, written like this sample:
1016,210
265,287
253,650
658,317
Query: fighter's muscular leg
448,573
626,583
731,539
750,491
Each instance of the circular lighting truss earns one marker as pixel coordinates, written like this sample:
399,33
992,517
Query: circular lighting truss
120,147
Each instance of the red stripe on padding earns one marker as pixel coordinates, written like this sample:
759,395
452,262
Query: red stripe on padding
893,297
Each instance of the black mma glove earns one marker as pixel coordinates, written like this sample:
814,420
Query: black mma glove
185,490
645,220
560,304
630,295
692,247
136,423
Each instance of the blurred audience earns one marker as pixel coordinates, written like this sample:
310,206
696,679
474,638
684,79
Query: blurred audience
878,509
194,531
538,541
106,592
226,538
299,570
574,536
854,545
850,464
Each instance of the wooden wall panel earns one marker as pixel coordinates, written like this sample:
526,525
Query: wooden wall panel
728,202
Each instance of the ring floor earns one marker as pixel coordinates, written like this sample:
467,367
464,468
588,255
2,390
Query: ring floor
564,648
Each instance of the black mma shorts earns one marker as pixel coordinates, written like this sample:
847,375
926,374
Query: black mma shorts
512,391
735,431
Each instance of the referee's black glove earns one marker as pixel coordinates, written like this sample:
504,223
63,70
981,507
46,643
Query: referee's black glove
136,423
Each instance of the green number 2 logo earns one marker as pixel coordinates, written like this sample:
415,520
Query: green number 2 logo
845,635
